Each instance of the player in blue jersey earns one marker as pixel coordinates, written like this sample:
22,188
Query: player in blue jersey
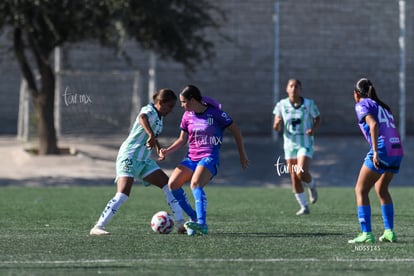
202,126
300,118
134,160
381,163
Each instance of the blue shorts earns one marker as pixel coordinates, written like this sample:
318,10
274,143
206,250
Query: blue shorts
387,164
210,163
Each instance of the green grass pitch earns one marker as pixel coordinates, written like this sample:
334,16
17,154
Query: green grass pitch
253,231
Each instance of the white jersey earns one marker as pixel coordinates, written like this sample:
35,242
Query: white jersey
134,146
296,120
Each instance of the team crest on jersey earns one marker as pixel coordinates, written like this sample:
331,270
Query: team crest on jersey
224,115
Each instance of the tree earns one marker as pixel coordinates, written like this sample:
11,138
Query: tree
174,29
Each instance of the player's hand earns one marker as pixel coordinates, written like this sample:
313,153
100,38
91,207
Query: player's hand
277,124
376,160
162,153
309,132
244,161
151,142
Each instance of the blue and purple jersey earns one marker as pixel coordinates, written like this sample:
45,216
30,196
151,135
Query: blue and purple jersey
388,137
205,132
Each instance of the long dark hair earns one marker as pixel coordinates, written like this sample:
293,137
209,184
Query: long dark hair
190,91
365,89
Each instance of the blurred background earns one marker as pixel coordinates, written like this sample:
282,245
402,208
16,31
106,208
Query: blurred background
327,44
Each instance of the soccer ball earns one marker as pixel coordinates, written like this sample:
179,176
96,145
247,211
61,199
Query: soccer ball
162,222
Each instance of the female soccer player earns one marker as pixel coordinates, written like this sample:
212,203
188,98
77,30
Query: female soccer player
134,160
202,124
381,163
300,118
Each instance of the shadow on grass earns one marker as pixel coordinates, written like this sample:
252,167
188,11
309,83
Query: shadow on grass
278,235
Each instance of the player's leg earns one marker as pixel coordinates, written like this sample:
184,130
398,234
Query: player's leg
303,171
178,178
203,173
160,179
387,206
297,187
366,180
124,185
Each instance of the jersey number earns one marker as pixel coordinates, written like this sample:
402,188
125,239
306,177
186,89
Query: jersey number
385,117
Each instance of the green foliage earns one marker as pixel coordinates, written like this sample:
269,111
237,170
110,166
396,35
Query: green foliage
174,29
253,231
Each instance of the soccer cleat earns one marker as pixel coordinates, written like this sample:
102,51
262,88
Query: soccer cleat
202,228
364,237
98,231
313,193
388,236
303,211
190,232
180,227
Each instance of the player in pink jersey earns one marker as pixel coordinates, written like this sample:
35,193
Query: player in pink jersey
381,163
202,125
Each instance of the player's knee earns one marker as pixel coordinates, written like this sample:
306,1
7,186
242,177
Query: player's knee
195,184
173,186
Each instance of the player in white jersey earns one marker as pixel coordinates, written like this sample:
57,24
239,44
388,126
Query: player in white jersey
134,160
299,117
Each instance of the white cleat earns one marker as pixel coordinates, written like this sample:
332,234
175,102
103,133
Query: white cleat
303,211
98,231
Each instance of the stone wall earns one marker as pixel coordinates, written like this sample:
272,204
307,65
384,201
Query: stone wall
327,44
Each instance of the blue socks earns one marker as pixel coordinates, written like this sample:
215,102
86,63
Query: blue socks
364,218
200,198
388,216
181,197
200,204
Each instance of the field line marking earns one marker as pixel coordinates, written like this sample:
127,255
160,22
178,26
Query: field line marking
267,260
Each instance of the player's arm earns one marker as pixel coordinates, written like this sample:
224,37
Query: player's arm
176,145
144,122
373,129
315,125
277,123
244,160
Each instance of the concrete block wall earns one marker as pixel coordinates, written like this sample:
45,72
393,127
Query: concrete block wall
327,44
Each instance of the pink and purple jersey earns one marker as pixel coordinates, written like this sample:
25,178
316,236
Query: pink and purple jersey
388,138
205,132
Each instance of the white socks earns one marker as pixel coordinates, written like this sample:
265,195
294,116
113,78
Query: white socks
111,208
119,199
173,203
301,198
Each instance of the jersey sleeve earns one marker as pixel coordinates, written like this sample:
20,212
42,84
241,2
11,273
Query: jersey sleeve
149,111
277,110
223,119
314,111
363,108
184,122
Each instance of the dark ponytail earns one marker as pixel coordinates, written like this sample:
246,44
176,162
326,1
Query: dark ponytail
191,92
365,89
